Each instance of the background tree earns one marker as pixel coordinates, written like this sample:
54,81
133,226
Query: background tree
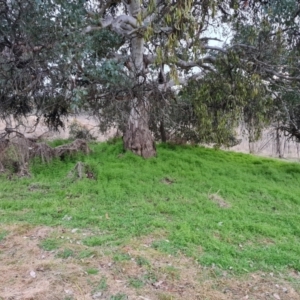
125,61
269,34
234,81
42,52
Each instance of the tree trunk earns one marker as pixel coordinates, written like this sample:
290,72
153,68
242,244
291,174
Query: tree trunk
138,137
162,130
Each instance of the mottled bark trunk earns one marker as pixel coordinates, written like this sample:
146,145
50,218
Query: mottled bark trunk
162,130
137,137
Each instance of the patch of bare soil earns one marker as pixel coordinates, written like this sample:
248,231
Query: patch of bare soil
134,271
216,198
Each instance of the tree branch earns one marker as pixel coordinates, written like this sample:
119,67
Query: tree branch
123,25
201,63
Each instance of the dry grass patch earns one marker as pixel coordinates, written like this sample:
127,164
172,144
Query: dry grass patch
217,199
167,181
135,271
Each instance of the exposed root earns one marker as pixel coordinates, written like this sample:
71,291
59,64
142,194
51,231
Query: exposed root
16,153
72,148
43,151
80,171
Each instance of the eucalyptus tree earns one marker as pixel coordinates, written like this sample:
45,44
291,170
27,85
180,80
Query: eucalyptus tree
235,59
256,74
268,33
158,36
42,49
126,60
30,37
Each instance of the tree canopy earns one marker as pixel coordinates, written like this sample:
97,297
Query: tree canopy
189,69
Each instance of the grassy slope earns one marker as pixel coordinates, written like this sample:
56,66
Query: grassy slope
259,231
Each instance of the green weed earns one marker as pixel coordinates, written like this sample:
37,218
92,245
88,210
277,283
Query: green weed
118,297
150,277
66,253
165,246
171,272
141,261
49,244
86,254
121,257
3,234
92,271
136,283
99,240
102,284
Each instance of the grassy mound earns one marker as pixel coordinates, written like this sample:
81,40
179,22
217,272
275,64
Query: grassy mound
234,211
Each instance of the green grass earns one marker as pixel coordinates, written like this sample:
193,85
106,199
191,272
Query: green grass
50,244
92,271
118,297
3,234
121,257
66,253
136,283
86,254
141,261
175,193
102,286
